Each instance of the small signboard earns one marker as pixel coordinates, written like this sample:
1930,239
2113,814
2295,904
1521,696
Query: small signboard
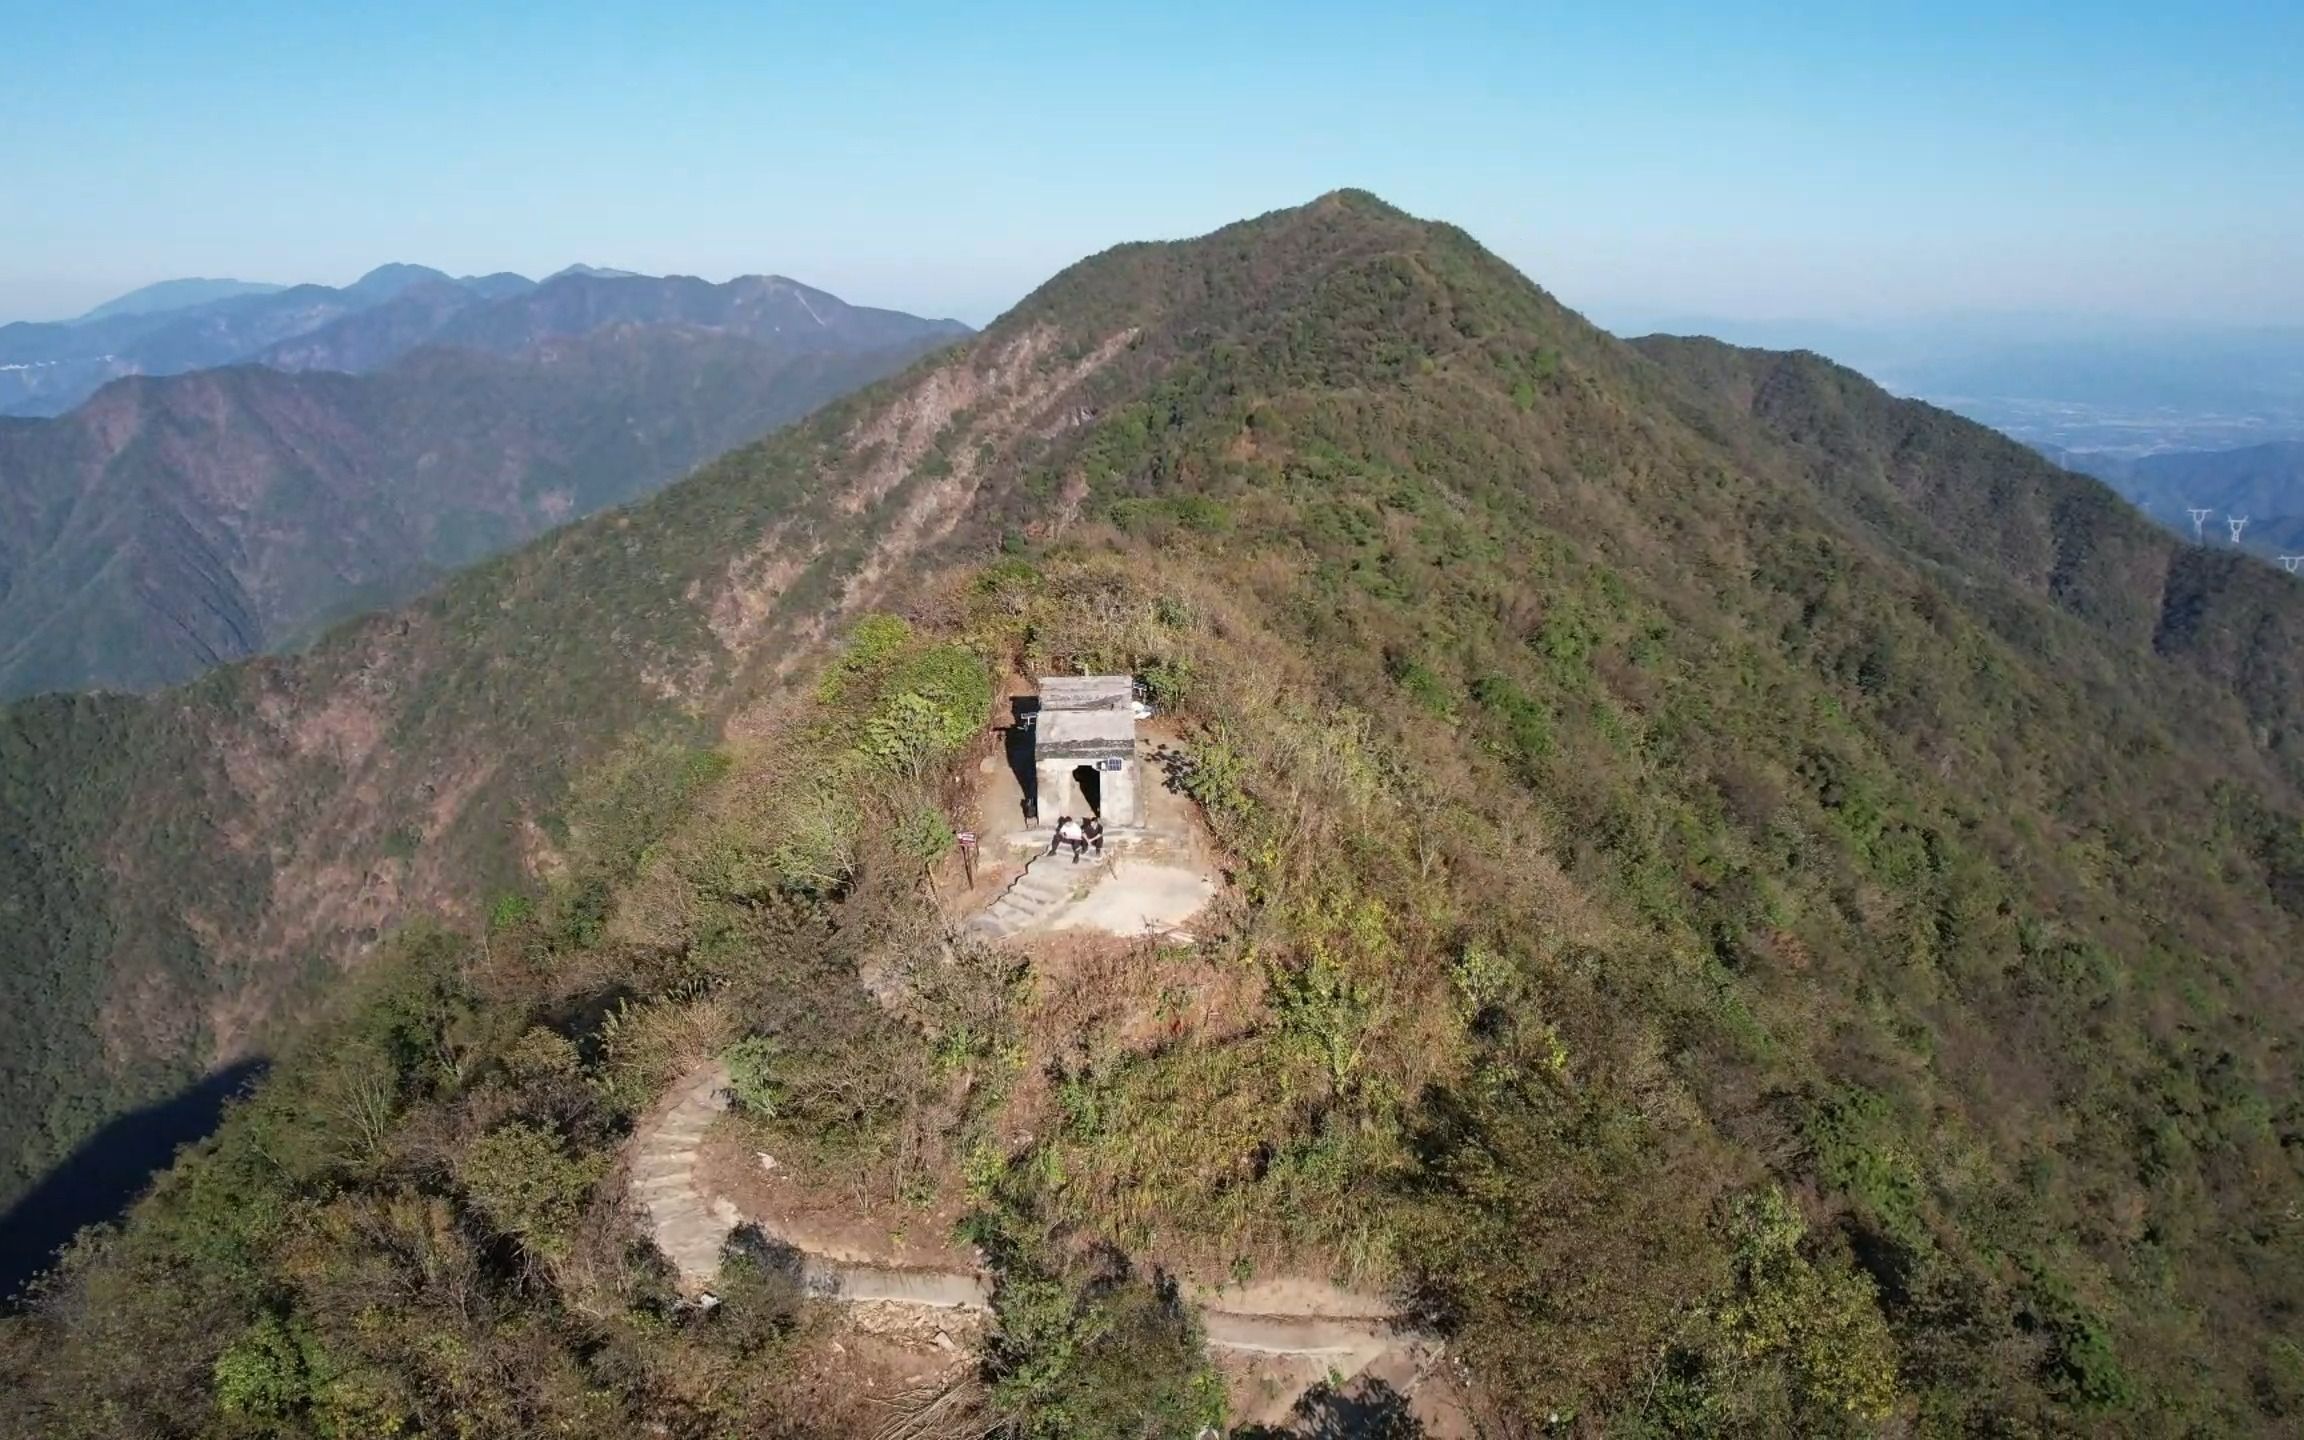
1111,764
967,839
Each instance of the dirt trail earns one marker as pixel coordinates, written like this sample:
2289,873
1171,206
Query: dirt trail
691,1226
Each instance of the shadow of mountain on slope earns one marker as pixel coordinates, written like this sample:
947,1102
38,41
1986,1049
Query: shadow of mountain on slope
109,1172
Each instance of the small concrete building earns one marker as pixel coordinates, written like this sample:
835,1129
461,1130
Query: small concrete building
1084,750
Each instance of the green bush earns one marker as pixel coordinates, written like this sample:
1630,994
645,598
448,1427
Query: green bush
275,1370
525,1181
752,1076
1821,1319
1090,1351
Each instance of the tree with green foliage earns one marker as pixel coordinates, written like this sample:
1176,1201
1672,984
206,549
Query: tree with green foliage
522,1178
1086,1350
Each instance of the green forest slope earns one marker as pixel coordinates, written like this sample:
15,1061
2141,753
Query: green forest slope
1768,908
172,523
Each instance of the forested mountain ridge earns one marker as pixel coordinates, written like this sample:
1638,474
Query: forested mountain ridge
1997,510
187,862
172,523
1765,908
2264,483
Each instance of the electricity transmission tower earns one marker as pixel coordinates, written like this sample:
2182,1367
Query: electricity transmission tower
2238,524
2290,562
2199,525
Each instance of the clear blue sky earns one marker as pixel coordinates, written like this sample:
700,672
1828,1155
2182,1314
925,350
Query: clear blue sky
1855,160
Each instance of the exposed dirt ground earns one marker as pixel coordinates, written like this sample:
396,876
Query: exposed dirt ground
1301,1396
860,1359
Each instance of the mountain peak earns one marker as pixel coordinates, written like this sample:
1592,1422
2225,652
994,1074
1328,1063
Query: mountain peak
1343,251
592,272
497,285
390,279
1353,200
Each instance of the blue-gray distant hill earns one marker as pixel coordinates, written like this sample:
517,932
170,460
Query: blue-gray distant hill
46,369
169,295
2263,482
786,317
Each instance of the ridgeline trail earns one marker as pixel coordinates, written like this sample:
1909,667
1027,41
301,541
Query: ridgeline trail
691,1226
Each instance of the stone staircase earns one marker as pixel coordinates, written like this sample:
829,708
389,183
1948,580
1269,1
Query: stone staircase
690,1227
1048,881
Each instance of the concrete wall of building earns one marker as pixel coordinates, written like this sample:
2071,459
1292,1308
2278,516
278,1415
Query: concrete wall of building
1121,802
1122,805
1058,796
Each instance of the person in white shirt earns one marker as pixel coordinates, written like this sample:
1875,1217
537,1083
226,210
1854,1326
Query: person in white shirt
1068,832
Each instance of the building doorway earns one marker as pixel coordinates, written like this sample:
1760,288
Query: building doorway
1089,781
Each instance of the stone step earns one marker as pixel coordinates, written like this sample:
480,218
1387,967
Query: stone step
1297,1334
856,1283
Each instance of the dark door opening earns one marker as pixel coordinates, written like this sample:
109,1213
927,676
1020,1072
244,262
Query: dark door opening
1090,782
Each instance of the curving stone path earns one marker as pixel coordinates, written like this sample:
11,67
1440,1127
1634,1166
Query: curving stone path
691,1228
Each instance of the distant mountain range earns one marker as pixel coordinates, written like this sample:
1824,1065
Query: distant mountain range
181,325
176,520
784,316
2265,483
175,295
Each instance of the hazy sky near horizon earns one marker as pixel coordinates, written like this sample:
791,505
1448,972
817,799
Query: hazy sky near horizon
1848,162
